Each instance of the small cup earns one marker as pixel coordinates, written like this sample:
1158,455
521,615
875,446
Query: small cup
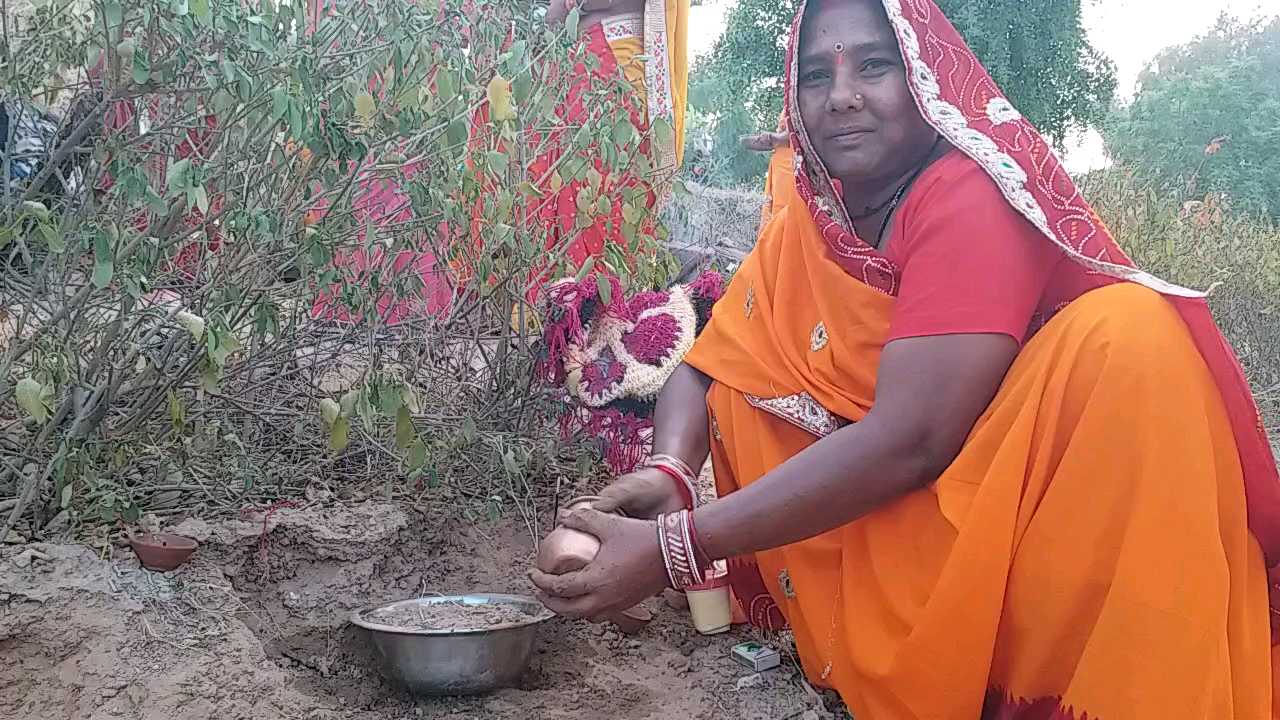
710,604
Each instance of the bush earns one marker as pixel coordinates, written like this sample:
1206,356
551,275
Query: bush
1206,244
296,261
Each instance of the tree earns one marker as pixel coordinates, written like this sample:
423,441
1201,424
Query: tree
1035,49
1204,118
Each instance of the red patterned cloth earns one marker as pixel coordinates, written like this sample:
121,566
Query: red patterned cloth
612,355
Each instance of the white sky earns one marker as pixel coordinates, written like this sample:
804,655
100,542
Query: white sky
1131,32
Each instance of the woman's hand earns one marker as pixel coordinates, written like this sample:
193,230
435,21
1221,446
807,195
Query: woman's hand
627,570
765,142
641,494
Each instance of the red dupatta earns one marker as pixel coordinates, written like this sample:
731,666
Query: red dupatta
957,96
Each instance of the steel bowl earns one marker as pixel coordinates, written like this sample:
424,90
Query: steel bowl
455,662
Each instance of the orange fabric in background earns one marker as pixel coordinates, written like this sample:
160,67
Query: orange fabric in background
1086,555
780,181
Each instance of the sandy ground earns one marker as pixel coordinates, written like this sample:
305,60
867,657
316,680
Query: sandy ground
255,628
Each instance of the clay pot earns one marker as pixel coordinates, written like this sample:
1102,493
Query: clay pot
564,550
162,551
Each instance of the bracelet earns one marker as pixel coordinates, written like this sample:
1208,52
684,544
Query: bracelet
678,470
684,559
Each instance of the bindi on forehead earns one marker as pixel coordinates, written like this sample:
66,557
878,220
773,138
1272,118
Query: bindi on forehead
854,24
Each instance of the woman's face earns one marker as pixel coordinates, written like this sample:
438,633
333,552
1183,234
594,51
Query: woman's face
853,95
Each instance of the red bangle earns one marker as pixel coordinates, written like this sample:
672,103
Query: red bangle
686,496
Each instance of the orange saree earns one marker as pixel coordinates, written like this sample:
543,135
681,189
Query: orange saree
1100,546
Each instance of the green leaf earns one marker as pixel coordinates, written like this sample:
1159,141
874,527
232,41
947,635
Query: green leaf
605,288
64,497
389,402
191,322
340,434
113,12
457,133
103,263
417,455
469,430
365,107
522,87
585,200
405,433
571,22
141,73
496,161
201,199
510,464
348,402
200,8
329,411
446,85
30,396
177,413
54,239
176,178
624,133
501,105
279,103
410,398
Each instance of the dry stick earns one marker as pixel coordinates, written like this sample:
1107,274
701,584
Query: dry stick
35,482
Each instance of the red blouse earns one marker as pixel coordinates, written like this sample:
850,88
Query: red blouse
970,263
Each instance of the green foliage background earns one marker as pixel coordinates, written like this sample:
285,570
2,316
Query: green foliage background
1206,118
1035,49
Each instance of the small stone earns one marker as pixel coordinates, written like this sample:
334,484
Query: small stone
25,558
750,681
810,715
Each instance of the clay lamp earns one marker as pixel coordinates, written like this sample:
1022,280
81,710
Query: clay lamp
565,550
162,551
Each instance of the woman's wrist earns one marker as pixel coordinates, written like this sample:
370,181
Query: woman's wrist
681,475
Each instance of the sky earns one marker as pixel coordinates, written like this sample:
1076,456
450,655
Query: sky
1130,32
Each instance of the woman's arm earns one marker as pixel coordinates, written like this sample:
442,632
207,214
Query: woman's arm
929,393
680,429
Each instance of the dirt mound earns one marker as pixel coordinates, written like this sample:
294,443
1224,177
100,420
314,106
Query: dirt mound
87,639
256,627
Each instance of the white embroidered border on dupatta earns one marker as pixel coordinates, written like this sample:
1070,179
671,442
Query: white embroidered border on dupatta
1009,176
